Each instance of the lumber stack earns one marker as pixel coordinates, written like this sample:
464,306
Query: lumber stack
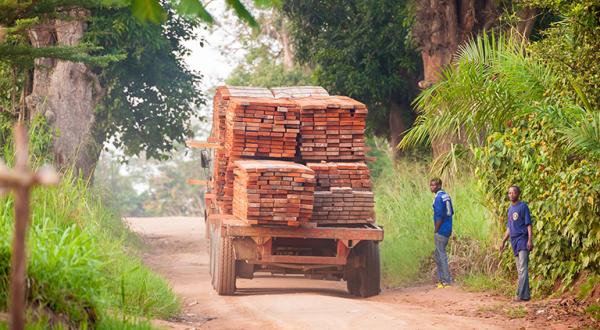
270,191
220,105
341,175
343,205
257,128
265,136
342,193
261,127
332,128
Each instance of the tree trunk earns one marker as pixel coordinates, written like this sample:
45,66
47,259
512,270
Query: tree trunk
400,120
442,25
527,18
286,44
66,94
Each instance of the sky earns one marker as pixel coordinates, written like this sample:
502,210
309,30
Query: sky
207,59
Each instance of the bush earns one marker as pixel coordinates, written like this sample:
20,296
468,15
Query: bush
403,207
77,265
563,193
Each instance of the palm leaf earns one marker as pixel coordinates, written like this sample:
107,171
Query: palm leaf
241,11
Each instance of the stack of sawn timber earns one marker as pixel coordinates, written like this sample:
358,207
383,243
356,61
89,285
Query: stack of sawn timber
343,193
269,191
332,128
305,125
222,156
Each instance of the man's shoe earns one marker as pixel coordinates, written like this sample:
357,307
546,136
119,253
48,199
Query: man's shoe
440,285
446,285
517,299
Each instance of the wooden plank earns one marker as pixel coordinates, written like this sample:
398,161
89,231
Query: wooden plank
198,182
202,144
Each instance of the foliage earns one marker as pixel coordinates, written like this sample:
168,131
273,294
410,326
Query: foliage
362,49
81,270
522,129
77,263
563,195
151,10
117,190
403,208
150,94
144,187
570,47
262,70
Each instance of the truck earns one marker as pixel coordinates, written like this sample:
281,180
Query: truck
241,249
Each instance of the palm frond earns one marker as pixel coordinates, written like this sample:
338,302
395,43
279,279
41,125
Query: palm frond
583,137
491,82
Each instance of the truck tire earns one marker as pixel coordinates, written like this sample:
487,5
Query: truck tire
212,253
353,282
225,266
370,274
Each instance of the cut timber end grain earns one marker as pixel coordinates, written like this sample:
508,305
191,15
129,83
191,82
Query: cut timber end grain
218,134
270,191
339,175
336,124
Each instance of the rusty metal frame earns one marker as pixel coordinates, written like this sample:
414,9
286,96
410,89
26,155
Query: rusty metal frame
345,237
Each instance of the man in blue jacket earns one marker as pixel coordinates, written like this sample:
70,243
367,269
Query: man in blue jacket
518,228
442,220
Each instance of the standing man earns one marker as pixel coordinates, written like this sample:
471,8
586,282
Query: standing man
442,220
518,229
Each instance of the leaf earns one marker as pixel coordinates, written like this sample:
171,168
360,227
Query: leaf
148,10
242,12
193,8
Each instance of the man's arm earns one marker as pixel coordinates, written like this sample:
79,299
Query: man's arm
504,239
530,238
438,224
438,211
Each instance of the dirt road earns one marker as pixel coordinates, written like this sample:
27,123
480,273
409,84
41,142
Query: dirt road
177,249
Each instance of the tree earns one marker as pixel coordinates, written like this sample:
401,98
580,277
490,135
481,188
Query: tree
92,72
521,128
441,26
362,49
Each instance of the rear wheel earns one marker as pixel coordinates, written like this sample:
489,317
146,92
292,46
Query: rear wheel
212,253
225,266
364,281
353,282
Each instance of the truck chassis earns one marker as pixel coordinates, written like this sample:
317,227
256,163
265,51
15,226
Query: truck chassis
237,249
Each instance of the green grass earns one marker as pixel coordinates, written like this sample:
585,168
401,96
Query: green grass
480,282
594,311
516,312
403,207
82,263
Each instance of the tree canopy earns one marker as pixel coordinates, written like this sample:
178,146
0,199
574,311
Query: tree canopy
150,93
359,48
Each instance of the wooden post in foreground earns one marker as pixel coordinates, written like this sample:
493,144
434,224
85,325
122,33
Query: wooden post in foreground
21,180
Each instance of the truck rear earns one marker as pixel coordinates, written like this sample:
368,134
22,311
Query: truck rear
290,191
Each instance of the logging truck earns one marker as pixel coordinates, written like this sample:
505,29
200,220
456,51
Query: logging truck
240,248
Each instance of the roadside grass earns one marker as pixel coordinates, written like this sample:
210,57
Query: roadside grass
403,208
515,312
479,282
82,263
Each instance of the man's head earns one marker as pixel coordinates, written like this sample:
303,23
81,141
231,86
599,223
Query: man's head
435,185
513,193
